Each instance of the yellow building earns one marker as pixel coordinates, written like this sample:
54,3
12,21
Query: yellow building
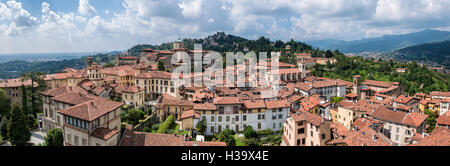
168,105
130,95
156,83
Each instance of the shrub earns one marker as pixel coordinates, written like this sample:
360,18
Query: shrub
250,133
252,142
147,129
54,137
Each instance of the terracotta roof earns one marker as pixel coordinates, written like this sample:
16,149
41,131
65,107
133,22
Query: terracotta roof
91,110
310,102
411,119
73,98
439,137
351,95
309,117
129,89
364,137
378,83
166,99
403,99
190,113
104,133
12,83
204,106
437,93
254,104
62,90
443,119
227,100
156,74
338,128
277,104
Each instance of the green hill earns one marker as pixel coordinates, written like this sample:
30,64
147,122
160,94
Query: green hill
431,53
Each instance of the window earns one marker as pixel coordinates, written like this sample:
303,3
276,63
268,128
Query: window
76,141
303,141
298,142
280,116
212,129
84,142
237,118
220,120
244,117
300,123
228,118
237,128
323,136
301,131
212,118
220,129
259,125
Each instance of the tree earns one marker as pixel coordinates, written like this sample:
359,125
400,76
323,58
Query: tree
4,127
54,137
161,66
227,137
36,78
250,133
24,99
328,54
201,126
4,104
336,100
18,132
431,120
135,115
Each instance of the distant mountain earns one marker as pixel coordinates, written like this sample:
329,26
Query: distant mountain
437,53
384,43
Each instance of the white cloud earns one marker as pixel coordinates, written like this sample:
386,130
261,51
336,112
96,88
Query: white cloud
155,21
85,8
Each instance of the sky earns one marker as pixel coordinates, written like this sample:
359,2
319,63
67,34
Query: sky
41,26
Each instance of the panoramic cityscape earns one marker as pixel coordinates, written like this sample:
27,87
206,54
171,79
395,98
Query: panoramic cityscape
224,73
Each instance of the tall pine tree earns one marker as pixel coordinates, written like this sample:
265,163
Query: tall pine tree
18,130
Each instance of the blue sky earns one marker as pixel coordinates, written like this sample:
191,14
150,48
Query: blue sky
37,26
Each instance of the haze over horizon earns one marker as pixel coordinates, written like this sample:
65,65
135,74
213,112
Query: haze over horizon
38,26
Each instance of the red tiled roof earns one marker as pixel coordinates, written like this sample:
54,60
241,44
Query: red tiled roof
439,137
254,104
309,117
10,83
403,99
73,98
91,110
443,119
104,133
227,100
204,106
167,99
378,83
437,93
190,113
277,104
